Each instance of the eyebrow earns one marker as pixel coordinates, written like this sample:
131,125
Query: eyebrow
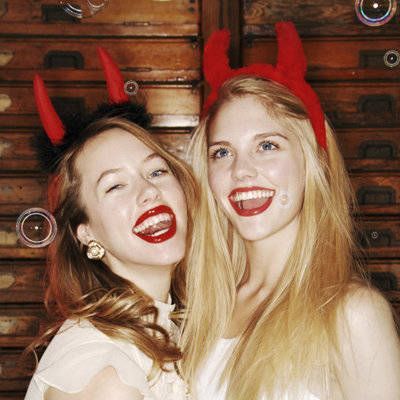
256,137
115,170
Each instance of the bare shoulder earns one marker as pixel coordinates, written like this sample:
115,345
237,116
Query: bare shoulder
369,361
103,386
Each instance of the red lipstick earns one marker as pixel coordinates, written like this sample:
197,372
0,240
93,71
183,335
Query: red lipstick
169,226
249,212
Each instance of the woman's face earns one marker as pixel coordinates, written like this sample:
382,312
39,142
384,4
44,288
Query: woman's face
135,205
255,169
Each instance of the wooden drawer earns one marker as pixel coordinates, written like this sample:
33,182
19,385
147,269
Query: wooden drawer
146,18
20,325
361,105
377,193
15,372
171,105
139,59
19,192
16,153
380,236
332,58
10,248
385,275
370,149
21,281
322,18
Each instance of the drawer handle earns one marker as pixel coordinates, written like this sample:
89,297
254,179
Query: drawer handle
385,281
54,13
377,238
377,103
5,102
376,195
68,105
5,57
3,147
6,281
371,59
63,59
377,149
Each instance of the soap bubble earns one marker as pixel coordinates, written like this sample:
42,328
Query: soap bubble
83,8
391,58
36,227
375,12
131,88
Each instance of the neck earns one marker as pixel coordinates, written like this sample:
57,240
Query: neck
154,280
268,257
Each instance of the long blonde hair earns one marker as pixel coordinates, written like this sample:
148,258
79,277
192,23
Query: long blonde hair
293,331
81,288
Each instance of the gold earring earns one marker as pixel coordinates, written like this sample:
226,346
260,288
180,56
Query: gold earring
95,250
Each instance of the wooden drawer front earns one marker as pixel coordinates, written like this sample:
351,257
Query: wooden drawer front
322,18
18,193
21,282
350,105
380,236
16,153
171,105
15,371
19,326
332,59
140,59
377,193
385,276
370,149
145,18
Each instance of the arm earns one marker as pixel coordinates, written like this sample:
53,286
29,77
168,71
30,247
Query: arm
105,385
369,363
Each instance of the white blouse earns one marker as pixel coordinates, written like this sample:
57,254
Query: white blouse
79,351
207,385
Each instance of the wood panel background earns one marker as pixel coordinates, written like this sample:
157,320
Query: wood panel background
159,43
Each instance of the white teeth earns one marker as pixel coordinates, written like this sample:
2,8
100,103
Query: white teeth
253,194
152,221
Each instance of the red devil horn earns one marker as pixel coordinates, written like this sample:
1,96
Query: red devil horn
115,82
51,122
216,62
291,58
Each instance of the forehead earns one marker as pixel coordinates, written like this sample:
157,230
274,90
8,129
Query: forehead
109,149
241,116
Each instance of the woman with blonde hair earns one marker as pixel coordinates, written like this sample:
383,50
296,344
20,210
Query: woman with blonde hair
117,265
278,307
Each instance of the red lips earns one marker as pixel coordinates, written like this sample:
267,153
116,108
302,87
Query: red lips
250,211
151,213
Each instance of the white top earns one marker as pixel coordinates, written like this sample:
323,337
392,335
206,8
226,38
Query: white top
79,351
207,380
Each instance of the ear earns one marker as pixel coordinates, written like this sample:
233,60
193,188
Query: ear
83,234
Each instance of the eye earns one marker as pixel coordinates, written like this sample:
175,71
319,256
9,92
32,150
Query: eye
158,172
267,145
115,187
220,152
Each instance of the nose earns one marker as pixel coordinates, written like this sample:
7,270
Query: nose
243,168
148,193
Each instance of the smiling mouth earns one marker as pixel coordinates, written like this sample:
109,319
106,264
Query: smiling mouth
251,200
156,225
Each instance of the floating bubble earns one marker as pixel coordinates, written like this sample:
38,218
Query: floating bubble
391,58
375,12
83,8
131,88
36,227
283,199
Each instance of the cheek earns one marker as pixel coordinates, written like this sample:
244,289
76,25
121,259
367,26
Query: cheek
216,180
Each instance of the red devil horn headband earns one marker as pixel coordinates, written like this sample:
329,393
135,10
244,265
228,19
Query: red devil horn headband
51,122
289,71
